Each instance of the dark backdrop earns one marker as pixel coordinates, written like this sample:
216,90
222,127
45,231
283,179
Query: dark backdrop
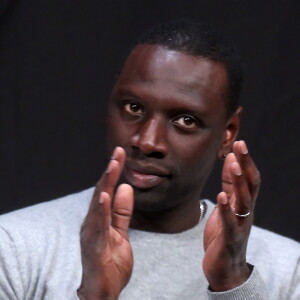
57,65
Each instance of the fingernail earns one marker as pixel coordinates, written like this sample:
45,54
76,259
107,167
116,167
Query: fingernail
108,170
114,154
224,200
236,169
243,147
101,200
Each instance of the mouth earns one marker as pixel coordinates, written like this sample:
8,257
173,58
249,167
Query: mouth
145,177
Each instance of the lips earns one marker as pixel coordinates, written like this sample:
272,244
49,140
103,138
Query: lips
144,176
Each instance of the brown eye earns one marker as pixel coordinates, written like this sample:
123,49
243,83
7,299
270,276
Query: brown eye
186,122
133,108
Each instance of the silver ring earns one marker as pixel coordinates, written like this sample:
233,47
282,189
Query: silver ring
243,215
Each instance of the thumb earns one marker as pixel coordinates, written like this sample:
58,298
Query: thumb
122,210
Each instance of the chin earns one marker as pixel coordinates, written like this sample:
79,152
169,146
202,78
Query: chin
151,201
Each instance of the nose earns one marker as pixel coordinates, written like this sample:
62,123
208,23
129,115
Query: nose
151,138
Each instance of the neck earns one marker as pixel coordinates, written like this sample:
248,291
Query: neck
173,220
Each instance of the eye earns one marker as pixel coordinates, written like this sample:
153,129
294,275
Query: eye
133,108
186,122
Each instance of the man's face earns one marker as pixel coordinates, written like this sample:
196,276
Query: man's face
167,111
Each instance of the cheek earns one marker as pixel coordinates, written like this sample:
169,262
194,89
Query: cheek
117,134
195,156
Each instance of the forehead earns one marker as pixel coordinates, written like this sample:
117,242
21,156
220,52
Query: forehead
174,74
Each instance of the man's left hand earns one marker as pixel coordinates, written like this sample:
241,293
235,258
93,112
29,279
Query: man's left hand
228,228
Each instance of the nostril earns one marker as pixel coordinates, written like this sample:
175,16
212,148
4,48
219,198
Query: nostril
136,152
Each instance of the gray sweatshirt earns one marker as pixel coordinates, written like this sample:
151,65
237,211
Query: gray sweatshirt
40,259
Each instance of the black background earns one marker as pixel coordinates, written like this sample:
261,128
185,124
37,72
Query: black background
57,65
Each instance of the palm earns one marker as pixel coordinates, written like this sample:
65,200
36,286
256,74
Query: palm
106,253
213,241
117,260
214,231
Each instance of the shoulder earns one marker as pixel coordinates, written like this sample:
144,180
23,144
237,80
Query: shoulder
266,246
56,213
259,234
273,245
277,258
46,232
40,246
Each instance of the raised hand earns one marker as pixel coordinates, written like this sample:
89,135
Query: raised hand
107,259
228,228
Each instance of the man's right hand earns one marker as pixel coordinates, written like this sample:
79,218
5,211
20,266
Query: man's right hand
106,253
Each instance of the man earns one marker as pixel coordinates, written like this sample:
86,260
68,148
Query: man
172,112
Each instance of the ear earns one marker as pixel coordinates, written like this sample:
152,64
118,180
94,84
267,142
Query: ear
230,133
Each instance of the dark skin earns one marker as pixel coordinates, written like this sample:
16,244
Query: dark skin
168,107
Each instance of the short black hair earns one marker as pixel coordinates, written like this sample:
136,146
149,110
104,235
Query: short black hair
198,39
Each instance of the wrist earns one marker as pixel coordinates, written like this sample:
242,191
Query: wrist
84,295
230,280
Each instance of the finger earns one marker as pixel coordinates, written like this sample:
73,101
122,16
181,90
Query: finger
113,171
95,228
228,218
110,178
227,183
243,199
248,167
103,220
122,209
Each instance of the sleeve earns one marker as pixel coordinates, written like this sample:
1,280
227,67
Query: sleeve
294,289
254,288
11,287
